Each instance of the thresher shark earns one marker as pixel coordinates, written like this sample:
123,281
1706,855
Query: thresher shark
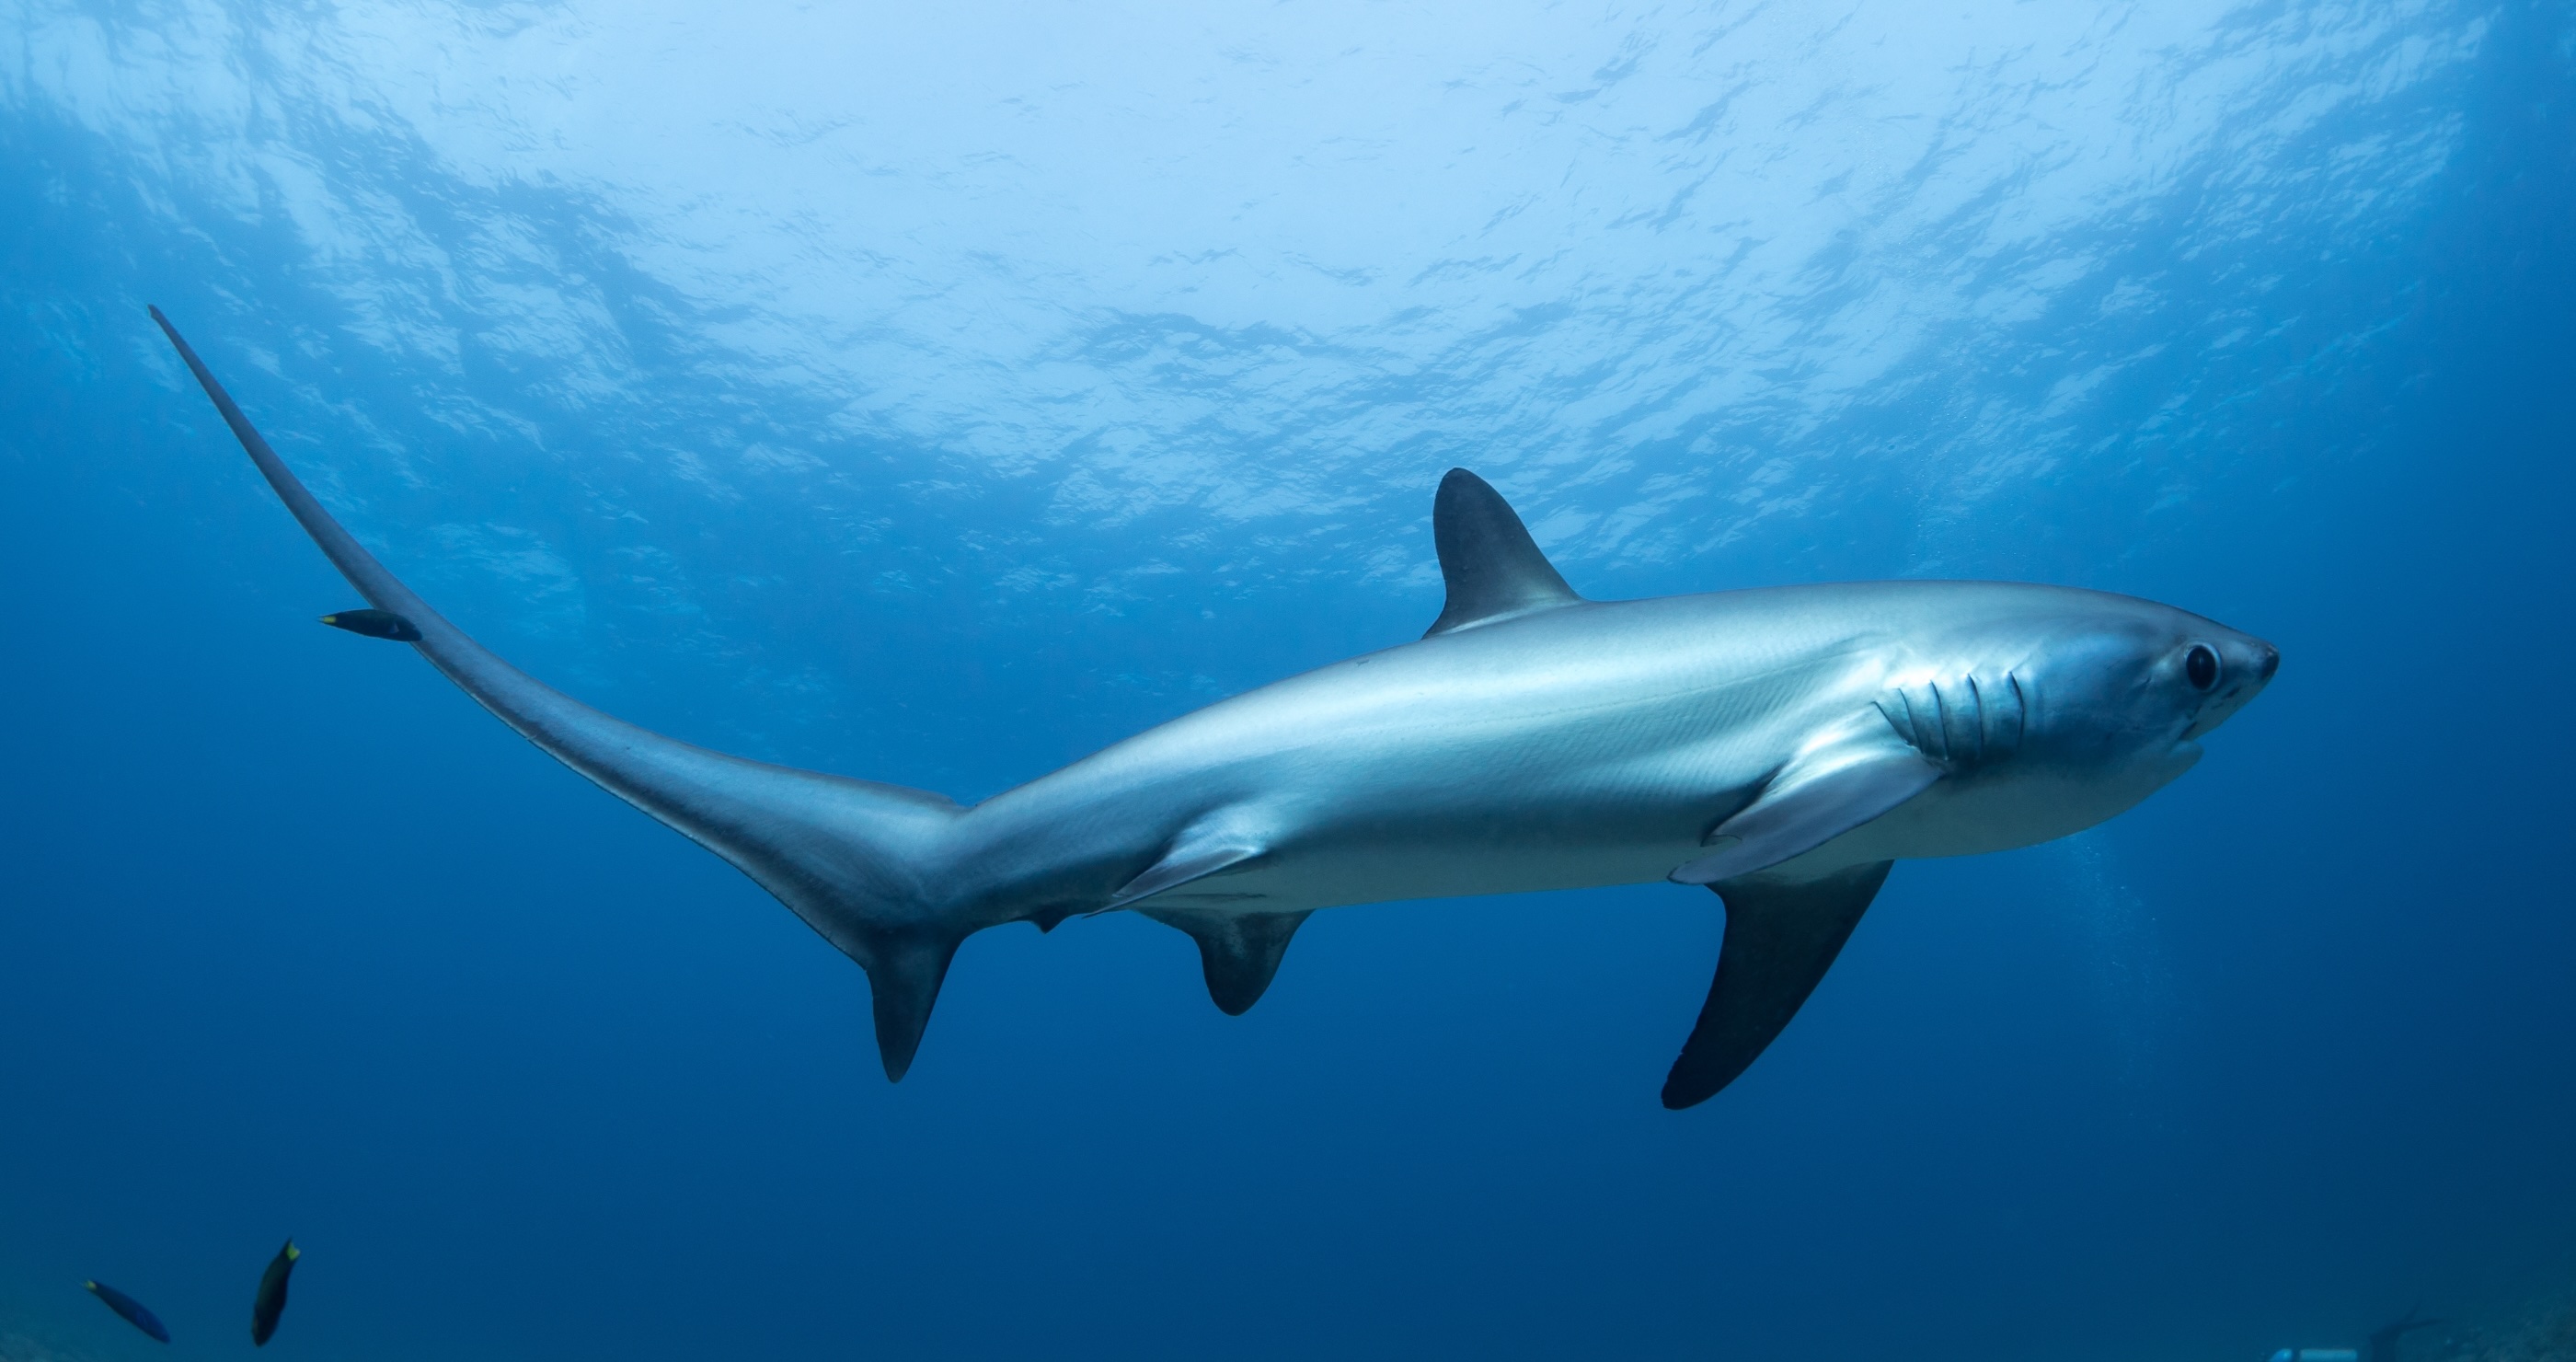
1781,746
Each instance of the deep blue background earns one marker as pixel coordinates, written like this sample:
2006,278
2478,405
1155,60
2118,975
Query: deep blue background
293,939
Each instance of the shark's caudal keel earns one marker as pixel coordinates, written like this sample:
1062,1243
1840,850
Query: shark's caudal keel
1782,747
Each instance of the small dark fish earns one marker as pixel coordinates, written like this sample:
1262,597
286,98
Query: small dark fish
130,1310
375,624
272,1290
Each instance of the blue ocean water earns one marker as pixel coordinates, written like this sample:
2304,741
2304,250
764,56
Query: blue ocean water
938,394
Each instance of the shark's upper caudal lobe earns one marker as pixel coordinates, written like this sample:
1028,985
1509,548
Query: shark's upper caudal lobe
1783,747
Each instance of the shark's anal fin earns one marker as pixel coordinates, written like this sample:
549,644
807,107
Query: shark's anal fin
1238,951
1808,805
1780,940
1493,568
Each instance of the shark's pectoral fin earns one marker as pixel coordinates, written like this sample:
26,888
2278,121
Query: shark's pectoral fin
1780,940
1238,951
1810,804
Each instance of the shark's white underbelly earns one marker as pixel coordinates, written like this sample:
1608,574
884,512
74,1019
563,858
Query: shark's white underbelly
1641,834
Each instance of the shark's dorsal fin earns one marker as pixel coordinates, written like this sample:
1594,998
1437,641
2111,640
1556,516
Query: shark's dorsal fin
1493,567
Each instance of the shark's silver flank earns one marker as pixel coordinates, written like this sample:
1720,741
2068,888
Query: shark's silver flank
1781,746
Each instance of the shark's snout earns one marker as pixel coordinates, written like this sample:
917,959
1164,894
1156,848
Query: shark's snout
2241,666
2261,661
2254,660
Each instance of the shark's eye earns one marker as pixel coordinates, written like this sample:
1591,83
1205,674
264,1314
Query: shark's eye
2201,666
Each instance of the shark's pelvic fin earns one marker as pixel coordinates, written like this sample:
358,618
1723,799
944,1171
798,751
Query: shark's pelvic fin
1780,940
905,970
1239,952
860,862
1493,568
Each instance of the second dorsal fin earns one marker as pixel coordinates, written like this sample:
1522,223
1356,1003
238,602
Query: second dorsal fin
1493,567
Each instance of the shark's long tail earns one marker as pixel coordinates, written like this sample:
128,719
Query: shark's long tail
859,861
